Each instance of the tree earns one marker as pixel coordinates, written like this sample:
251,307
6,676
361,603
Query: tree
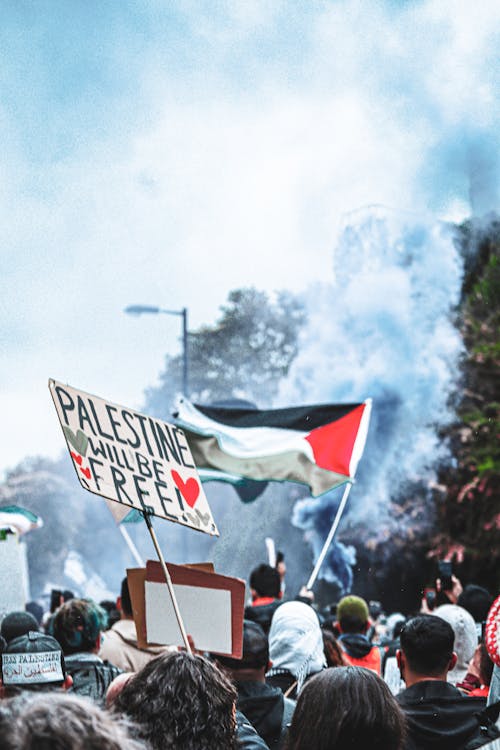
243,355
469,517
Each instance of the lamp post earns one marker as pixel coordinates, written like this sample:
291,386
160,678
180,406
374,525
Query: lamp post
151,310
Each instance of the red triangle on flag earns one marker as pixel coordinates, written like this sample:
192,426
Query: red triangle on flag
333,443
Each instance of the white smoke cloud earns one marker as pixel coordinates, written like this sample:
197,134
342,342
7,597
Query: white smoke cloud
384,330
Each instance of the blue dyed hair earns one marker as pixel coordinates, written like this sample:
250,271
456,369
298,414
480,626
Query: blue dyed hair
77,625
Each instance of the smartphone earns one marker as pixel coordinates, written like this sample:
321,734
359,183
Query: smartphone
430,598
445,573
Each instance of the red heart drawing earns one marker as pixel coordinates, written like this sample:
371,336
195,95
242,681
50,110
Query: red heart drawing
189,490
77,458
85,472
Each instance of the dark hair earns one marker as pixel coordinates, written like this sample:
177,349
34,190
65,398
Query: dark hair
181,701
476,600
36,610
266,581
345,708
77,624
427,643
17,623
111,610
255,649
125,598
485,665
333,652
352,624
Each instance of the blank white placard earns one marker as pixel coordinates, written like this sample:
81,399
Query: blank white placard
206,614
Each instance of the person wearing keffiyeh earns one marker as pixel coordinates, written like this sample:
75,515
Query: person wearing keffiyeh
295,647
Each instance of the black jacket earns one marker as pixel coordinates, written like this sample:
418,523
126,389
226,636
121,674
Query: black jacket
440,717
91,675
266,709
262,613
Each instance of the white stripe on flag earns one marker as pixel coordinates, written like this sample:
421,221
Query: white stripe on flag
244,442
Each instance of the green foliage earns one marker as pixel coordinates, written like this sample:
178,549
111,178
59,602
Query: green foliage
469,517
243,355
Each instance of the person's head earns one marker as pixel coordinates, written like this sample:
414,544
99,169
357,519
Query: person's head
481,664
265,581
465,642
77,626
345,708
333,653
352,614
394,625
56,721
36,610
112,612
255,659
181,701
426,649
16,624
296,641
116,686
123,602
476,600
33,662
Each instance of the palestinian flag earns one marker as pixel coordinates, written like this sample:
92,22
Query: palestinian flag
319,446
18,520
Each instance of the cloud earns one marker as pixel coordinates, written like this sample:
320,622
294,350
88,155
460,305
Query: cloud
167,154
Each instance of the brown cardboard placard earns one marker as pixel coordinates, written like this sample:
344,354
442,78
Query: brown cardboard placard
190,577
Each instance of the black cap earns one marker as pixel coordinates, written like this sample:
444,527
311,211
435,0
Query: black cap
33,659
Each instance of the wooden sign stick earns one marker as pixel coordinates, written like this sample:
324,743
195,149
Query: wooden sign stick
168,580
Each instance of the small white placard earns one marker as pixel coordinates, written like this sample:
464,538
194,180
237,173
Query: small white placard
206,614
23,669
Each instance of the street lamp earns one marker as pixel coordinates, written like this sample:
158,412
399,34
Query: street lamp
151,310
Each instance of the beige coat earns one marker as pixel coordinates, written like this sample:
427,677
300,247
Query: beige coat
119,646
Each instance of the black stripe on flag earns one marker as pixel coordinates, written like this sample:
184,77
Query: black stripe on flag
303,418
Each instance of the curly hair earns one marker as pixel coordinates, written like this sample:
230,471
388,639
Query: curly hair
56,721
346,707
77,624
181,701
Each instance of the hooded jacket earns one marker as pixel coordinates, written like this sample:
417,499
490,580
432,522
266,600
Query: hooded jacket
263,613
360,652
465,642
266,709
119,646
440,717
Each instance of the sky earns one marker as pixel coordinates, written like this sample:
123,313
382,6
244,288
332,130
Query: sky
166,153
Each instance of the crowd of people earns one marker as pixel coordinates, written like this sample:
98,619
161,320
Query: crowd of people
342,678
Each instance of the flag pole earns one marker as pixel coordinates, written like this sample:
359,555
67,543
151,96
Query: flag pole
168,582
329,538
130,544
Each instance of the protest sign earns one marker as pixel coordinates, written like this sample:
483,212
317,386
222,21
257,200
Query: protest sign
32,668
212,607
131,458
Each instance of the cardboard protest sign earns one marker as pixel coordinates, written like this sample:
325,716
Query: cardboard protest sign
212,607
131,458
